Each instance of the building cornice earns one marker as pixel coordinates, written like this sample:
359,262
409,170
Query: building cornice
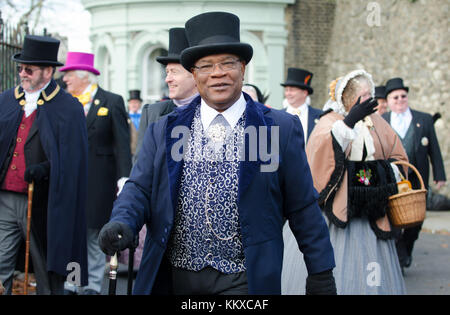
91,4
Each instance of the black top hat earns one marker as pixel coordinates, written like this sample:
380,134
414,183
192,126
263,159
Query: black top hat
135,95
177,42
380,92
39,50
299,78
395,84
213,33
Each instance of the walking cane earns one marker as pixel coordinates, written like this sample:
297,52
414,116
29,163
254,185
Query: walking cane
113,265
27,243
131,252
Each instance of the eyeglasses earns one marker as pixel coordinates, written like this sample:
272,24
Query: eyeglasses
28,71
400,96
224,66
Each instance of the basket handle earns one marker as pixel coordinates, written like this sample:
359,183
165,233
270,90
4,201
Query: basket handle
413,168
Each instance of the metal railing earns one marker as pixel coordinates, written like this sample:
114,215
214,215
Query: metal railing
11,39
10,44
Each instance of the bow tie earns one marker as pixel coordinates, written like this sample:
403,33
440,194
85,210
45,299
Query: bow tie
296,111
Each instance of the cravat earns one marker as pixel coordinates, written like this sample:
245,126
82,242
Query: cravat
86,97
217,132
401,125
218,129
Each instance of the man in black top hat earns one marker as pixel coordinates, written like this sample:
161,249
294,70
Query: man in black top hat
380,95
182,89
214,207
297,89
43,139
135,113
418,136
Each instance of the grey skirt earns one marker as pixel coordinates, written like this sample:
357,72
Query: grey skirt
365,264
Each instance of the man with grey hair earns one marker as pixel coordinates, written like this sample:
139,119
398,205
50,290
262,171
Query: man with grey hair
109,153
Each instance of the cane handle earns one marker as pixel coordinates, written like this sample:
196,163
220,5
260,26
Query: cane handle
113,262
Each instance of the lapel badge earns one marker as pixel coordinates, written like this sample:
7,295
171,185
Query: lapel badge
96,102
22,102
102,111
424,141
418,125
40,102
316,121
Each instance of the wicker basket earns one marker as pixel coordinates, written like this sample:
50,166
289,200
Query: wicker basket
408,209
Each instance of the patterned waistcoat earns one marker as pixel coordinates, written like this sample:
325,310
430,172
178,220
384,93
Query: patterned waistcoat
207,230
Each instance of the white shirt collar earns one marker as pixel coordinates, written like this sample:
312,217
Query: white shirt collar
400,122
33,96
303,109
31,100
405,115
232,114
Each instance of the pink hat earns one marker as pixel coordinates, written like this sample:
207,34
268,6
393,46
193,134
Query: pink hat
79,61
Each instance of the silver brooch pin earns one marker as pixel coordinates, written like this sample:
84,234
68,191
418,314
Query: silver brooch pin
217,133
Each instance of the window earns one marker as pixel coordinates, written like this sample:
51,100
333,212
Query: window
154,74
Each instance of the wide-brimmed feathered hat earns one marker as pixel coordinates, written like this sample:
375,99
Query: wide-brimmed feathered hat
177,43
39,50
214,33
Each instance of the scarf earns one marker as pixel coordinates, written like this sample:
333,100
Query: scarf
86,97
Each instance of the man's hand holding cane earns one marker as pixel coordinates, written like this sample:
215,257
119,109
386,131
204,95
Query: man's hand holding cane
115,237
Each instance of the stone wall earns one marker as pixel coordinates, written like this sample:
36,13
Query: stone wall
310,25
388,38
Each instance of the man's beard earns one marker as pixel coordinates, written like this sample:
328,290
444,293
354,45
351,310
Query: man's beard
36,85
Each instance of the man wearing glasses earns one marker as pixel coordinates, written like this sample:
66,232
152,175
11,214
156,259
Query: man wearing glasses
215,217
418,136
43,140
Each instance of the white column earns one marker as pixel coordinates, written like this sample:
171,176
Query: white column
275,43
119,64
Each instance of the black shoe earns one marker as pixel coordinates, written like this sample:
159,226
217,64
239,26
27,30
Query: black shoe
90,292
68,292
408,261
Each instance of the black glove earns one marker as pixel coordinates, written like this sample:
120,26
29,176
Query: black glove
360,110
321,284
109,240
37,172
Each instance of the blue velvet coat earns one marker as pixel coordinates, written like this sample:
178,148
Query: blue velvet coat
265,201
